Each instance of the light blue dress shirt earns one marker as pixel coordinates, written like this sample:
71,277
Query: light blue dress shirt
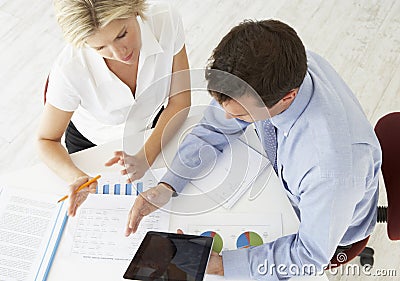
328,161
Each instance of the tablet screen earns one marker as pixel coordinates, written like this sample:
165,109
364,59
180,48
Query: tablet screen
170,256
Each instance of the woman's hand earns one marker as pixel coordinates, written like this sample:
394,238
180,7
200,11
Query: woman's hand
146,203
135,166
77,198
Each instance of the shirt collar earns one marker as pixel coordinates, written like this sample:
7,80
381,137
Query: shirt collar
285,120
97,68
150,45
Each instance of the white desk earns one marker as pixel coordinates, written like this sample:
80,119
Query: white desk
272,199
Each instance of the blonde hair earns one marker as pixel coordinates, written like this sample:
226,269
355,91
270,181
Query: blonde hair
80,19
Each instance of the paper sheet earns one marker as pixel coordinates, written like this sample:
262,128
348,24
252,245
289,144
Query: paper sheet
234,230
30,224
233,174
97,231
109,181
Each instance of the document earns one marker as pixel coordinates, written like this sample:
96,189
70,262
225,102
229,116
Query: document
31,225
113,183
239,230
97,232
233,173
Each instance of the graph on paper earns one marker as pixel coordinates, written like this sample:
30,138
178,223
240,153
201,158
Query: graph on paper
236,231
115,183
97,232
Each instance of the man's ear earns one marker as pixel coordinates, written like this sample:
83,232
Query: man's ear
283,103
290,96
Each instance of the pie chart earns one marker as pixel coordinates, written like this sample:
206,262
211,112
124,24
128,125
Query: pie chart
218,243
248,239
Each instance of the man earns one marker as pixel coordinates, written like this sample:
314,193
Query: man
318,139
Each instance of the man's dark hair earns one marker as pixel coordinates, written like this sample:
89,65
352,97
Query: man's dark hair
268,55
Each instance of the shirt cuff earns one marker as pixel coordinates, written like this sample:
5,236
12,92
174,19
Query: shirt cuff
176,182
236,264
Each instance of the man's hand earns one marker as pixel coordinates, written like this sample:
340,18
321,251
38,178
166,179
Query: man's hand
214,265
146,203
135,166
77,198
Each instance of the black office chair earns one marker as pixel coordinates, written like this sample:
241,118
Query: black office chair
388,132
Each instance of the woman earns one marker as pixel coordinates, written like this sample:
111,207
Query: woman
117,49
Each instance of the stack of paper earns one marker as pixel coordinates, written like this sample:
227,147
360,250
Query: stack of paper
233,174
31,225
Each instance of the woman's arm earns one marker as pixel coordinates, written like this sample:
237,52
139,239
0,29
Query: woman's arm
51,128
167,125
176,111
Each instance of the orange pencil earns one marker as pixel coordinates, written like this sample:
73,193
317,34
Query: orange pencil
86,184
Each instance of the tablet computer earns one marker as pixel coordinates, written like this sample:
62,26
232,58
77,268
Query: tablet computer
170,256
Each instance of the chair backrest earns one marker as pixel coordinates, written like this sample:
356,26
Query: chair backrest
340,258
45,90
388,132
